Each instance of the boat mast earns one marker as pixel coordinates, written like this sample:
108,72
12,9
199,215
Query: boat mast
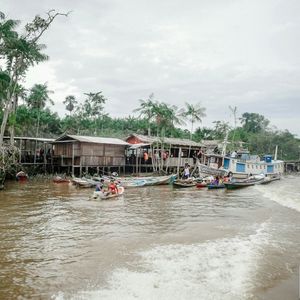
224,147
276,150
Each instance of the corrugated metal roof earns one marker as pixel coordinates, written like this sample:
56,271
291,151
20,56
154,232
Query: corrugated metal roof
135,146
172,141
92,139
46,140
210,143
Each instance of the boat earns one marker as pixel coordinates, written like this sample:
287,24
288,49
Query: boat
184,183
100,195
201,185
212,186
204,182
252,180
80,182
244,164
21,176
133,183
58,179
271,178
240,164
213,170
146,181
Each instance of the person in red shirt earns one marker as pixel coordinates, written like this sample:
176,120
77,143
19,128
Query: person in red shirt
112,188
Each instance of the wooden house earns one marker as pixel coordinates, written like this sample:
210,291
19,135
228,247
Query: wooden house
79,153
164,154
33,151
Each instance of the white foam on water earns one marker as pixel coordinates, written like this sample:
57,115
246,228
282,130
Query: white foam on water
287,194
219,269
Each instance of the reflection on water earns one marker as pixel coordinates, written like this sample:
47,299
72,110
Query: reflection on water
147,243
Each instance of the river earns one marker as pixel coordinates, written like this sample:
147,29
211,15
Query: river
151,243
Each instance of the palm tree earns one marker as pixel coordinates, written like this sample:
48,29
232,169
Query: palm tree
194,113
39,96
146,110
93,107
166,116
70,102
37,99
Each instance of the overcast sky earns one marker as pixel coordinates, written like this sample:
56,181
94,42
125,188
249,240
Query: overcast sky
216,52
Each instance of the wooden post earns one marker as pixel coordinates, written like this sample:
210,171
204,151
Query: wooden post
73,159
45,159
136,161
179,161
80,168
20,151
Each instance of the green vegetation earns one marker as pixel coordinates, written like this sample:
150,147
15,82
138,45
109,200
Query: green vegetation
87,116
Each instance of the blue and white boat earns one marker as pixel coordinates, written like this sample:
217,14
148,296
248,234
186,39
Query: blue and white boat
241,165
244,164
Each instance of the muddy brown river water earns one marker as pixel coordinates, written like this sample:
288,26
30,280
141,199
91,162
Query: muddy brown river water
151,243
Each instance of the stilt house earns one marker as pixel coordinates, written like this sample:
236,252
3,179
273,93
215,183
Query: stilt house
84,152
167,154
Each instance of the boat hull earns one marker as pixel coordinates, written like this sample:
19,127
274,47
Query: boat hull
215,186
232,185
99,195
183,184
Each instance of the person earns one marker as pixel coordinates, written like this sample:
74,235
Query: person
216,181
112,188
234,154
100,185
194,156
146,157
186,173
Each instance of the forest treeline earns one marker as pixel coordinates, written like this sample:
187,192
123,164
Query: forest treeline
29,112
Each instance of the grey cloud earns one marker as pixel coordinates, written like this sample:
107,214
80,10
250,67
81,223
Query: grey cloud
221,53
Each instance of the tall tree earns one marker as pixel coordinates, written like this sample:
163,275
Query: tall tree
37,99
253,122
19,52
93,107
165,116
146,110
70,102
221,129
194,113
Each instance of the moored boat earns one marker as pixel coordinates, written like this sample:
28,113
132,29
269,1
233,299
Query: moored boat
215,186
145,181
271,178
59,179
81,182
133,183
201,185
240,164
252,180
244,164
184,183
